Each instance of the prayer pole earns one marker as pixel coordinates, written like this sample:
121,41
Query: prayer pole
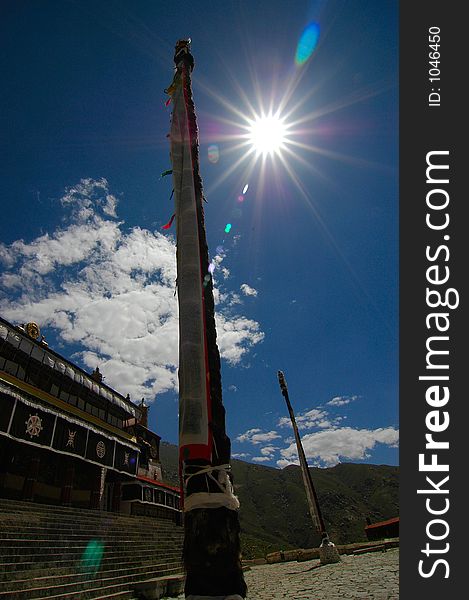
328,552
211,553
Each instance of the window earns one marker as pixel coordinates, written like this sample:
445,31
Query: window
11,367
26,346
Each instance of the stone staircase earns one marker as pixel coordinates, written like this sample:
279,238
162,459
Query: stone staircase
63,553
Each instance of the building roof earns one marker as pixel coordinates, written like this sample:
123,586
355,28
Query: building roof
383,523
43,354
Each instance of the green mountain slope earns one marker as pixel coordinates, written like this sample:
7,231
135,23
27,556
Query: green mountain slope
274,514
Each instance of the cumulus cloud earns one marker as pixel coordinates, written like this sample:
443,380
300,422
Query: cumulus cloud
327,448
341,400
268,451
217,265
325,440
314,418
110,293
236,336
257,436
248,290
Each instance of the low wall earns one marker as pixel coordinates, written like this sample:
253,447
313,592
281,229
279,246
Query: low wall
302,554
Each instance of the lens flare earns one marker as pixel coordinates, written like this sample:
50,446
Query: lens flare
245,188
307,44
213,153
228,228
92,556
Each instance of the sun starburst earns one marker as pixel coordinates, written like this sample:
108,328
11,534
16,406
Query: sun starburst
268,134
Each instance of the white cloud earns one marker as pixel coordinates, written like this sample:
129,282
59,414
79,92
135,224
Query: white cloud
327,448
257,436
216,261
260,459
110,293
283,462
314,418
247,290
235,336
341,400
268,451
110,206
240,455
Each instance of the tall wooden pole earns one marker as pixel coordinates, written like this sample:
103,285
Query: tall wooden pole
328,552
313,503
212,556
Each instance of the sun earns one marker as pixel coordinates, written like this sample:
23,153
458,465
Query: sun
267,135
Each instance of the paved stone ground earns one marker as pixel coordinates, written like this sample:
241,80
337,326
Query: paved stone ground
370,576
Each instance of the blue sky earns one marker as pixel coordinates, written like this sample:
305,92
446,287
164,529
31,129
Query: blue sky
306,280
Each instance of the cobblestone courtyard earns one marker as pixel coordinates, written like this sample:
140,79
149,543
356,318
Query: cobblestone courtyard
371,576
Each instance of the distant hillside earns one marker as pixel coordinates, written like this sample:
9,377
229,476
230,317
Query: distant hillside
274,514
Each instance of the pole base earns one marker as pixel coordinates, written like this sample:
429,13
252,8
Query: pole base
196,597
329,554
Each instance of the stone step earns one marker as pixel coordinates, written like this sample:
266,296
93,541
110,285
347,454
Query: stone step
30,570
103,595
161,586
18,562
21,533
95,588
30,511
30,508
47,523
42,549
76,525
126,595
20,558
51,522
85,576
76,551
82,540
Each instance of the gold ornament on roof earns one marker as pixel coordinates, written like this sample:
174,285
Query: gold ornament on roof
32,329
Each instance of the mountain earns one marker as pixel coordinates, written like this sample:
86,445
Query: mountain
274,514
